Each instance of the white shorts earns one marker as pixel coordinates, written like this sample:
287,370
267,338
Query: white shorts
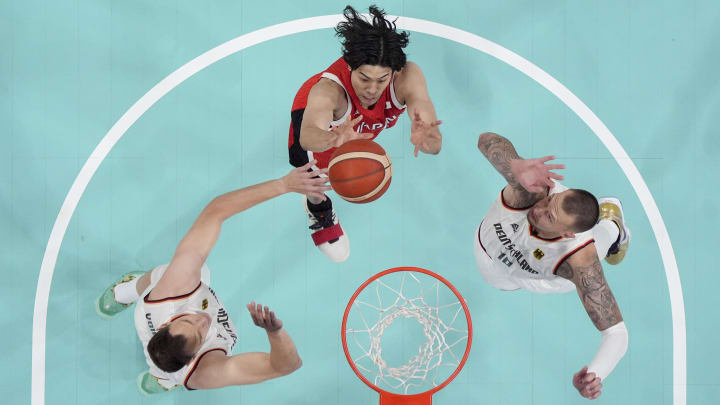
501,280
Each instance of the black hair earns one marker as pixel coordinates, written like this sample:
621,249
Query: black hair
584,207
168,351
374,42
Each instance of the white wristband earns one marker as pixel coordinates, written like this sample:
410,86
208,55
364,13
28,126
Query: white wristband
612,348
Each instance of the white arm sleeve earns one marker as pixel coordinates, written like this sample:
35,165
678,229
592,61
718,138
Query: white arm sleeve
612,348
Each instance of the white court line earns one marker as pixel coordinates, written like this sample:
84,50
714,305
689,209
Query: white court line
57,234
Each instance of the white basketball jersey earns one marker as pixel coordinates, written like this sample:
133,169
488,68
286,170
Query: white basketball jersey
150,315
510,242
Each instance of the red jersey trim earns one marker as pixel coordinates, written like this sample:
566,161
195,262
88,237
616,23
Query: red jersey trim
147,300
571,253
502,199
197,362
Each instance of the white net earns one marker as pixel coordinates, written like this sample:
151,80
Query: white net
424,349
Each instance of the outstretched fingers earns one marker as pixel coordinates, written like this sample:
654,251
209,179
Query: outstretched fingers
275,323
318,172
264,317
546,168
556,176
353,122
318,184
315,185
555,166
417,119
255,313
307,170
306,180
307,166
362,135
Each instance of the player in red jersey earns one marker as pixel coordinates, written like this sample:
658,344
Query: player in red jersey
358,96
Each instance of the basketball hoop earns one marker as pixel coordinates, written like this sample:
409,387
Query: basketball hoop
412,297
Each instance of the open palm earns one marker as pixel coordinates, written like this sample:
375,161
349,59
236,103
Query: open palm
534,174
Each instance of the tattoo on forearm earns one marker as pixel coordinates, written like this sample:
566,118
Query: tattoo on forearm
499,151
596,296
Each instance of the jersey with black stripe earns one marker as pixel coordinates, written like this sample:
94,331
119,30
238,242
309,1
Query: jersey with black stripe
383,115
509,240
150,315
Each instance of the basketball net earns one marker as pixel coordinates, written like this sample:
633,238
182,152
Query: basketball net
444,326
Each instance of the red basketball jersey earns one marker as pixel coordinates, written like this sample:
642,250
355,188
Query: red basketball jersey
384,115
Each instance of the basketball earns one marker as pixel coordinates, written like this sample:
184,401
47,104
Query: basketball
360,171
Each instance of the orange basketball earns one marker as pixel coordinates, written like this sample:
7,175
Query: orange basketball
360,171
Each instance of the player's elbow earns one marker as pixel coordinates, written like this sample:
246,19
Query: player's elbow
215,211
289,367
314,139
308,141
486,137
296,365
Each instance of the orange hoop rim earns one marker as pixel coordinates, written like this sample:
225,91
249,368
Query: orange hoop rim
387,395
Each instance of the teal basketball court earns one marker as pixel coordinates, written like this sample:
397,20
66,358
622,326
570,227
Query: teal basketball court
92,185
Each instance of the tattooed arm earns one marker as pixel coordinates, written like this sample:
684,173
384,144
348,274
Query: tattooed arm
529,179
584,269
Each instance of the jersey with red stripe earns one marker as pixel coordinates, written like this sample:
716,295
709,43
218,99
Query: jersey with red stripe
509,240
384,114
150,315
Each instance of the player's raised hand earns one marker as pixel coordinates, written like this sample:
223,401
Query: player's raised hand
587,384
345,132
534,174
264,317
425,135
303,180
